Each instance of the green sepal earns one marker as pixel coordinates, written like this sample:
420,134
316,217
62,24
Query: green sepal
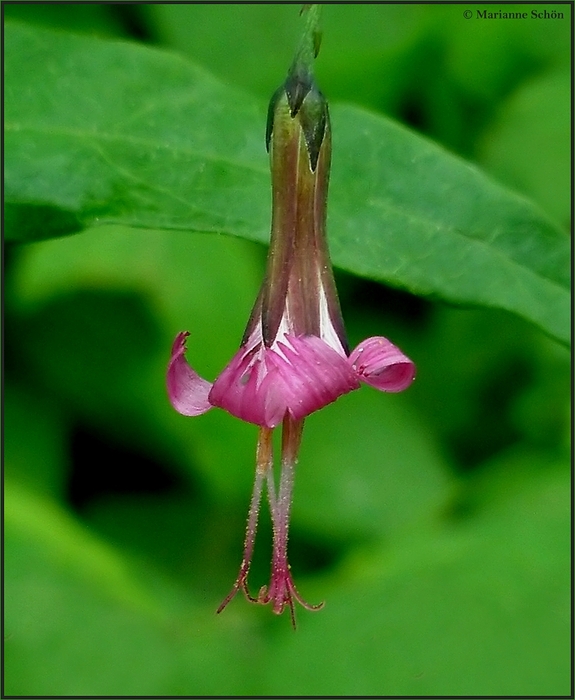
314,116
305,102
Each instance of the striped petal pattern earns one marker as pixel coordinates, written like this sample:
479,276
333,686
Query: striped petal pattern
297,375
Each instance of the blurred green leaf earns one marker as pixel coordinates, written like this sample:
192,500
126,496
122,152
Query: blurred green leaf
35,440
57,535
115,133
365,52
368,466
105,308
208,34
511,385
480,609
96,19
489,58
83,619
527,146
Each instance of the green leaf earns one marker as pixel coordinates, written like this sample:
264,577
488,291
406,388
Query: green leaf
480,609
39,463
368,466
83,618
38,518
538,114
113,301
109,132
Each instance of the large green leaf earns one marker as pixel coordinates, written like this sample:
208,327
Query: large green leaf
107,132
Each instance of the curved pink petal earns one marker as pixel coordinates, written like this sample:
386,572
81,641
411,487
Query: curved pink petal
187,391
250,390
298,376
382,365
314,374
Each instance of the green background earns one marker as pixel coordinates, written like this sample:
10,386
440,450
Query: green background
434,523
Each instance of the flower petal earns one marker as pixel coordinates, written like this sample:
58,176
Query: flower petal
314,374
297,375
250,390
187,391
382,365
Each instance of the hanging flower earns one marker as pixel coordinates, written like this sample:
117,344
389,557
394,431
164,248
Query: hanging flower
293,358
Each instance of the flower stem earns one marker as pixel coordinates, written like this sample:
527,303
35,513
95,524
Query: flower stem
311,36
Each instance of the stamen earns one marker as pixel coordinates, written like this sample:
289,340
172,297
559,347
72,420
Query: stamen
282,590
264,463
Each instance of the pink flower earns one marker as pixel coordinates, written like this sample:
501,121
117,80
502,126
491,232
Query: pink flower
293,358
295,377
